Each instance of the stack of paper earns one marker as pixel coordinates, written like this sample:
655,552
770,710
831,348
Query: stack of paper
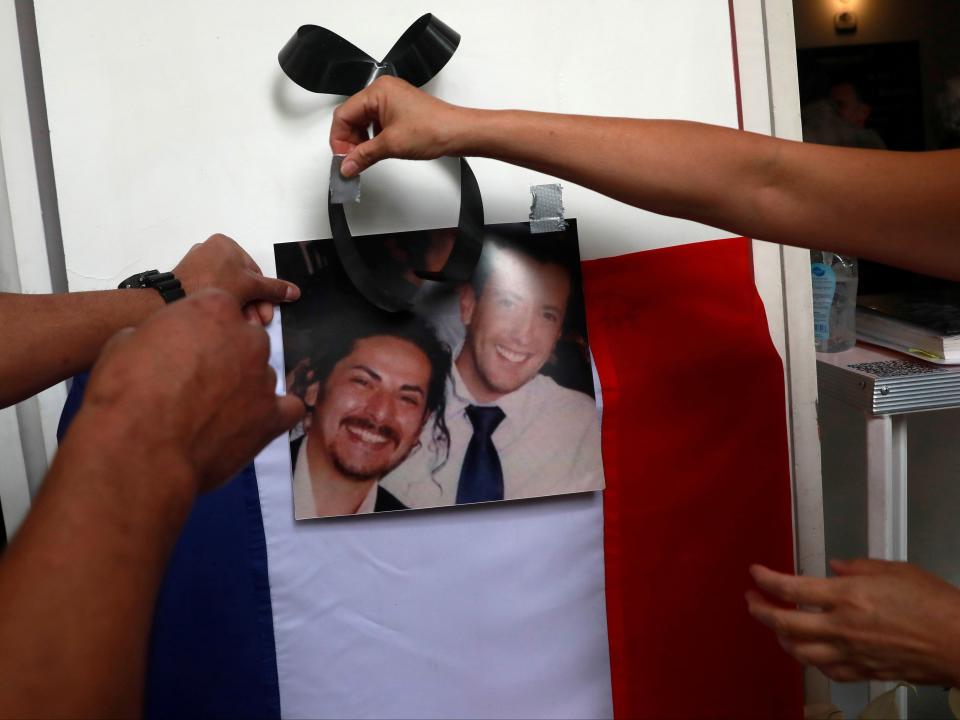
926,326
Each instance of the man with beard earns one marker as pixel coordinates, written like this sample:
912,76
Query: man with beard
514,432
376,389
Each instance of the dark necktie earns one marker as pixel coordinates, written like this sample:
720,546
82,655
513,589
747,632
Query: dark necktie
481,477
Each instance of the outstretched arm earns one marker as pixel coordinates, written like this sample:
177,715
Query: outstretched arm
53,337
174,407
896,208
47,338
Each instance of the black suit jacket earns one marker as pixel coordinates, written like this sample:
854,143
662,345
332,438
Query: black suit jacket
386,500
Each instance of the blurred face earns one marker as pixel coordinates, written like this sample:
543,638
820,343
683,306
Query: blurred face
372,407
849,105
512,326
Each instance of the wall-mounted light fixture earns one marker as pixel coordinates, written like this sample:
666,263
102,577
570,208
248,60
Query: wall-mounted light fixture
845,21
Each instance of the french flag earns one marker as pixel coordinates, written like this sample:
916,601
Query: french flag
626,603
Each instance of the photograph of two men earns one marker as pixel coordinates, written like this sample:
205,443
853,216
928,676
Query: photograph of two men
483,393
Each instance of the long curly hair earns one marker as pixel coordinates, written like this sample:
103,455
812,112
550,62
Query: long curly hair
336,339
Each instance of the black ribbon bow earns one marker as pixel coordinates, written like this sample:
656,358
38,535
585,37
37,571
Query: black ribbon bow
319,60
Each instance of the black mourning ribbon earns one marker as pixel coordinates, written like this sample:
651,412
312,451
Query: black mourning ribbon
319,60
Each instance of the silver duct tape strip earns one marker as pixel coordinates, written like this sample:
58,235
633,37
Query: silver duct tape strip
546,210
343,190
378,70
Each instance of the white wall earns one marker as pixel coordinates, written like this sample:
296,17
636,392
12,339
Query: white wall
190,127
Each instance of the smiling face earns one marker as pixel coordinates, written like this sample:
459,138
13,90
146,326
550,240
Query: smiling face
513,325
372,407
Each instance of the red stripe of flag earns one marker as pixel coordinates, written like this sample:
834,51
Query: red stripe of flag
698,484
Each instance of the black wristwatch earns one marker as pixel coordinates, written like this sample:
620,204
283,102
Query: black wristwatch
164,283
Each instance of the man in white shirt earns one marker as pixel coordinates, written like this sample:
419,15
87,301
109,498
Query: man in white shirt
375,389
514,433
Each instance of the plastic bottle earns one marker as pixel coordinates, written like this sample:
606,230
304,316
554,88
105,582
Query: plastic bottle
834,300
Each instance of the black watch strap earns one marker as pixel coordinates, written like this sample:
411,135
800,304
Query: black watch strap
164,283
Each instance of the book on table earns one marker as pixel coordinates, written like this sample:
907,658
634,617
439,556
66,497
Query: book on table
923,325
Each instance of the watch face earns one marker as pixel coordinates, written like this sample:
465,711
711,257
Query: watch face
134,281
137,280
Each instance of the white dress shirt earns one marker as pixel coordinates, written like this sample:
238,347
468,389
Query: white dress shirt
548,444
304,503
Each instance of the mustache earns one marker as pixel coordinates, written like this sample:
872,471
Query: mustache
362,423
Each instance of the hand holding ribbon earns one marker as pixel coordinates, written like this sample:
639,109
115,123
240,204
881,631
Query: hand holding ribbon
319,60
411,125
